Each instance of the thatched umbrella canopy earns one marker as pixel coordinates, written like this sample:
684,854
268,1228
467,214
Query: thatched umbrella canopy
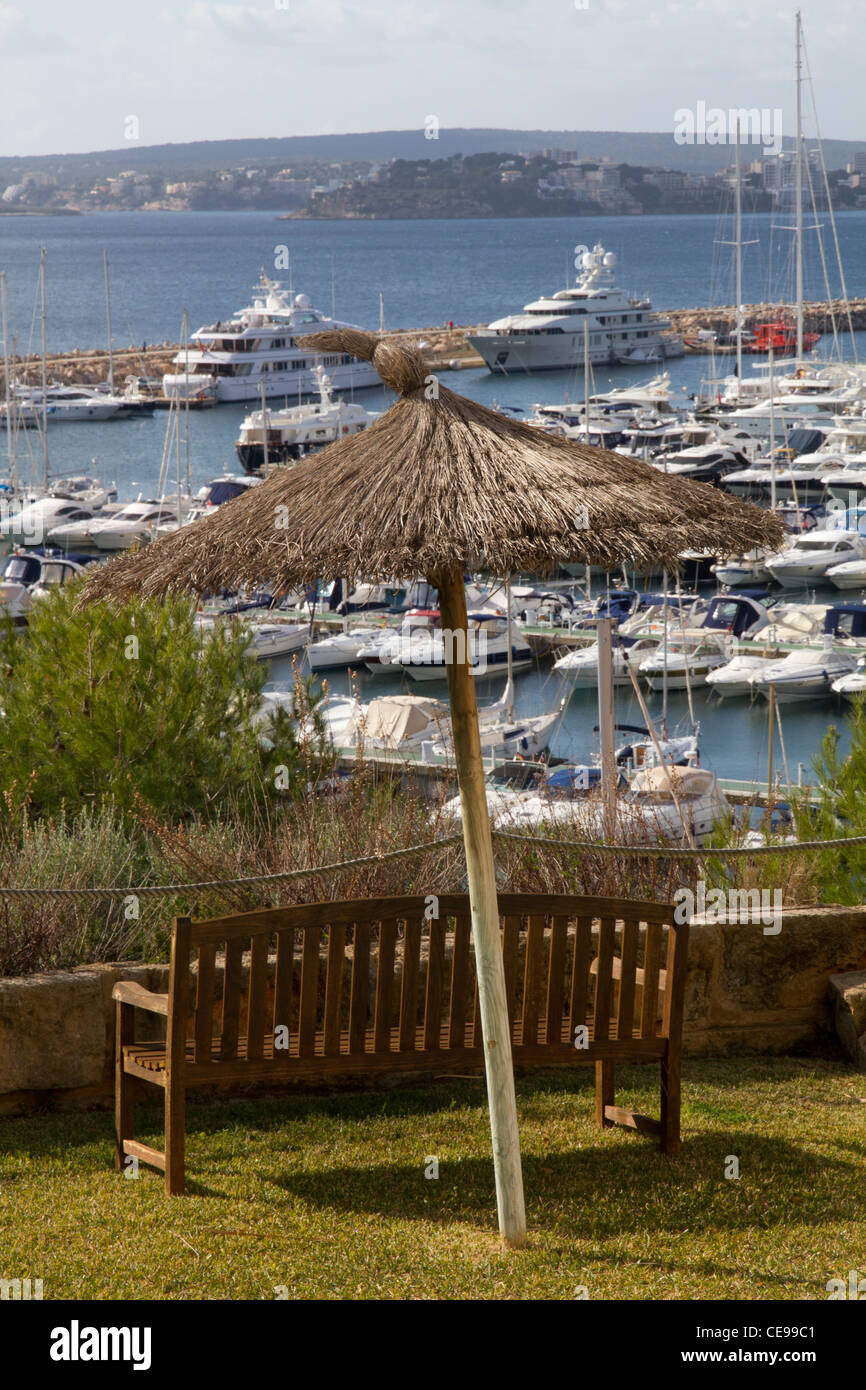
437,486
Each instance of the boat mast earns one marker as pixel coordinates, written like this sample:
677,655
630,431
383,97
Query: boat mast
9,431
772,360
508,697
264,428
739,258
177,425
381,312
108,318
799,186
186,402
586,380
44,375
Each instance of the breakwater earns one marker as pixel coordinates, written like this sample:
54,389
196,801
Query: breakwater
443,347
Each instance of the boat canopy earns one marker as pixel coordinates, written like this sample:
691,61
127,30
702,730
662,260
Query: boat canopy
393,718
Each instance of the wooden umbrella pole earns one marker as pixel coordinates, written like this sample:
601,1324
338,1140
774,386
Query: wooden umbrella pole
484,911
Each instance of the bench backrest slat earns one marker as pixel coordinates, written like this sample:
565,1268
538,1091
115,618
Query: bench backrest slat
532,979
256,999
556,979
435,977
310,969
409,988
580,975
652,960
384,1006
360,995
204,998
231,999
604,979
283,979
511,960
627,979
334,988
459,981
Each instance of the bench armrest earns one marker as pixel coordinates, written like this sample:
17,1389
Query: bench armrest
127,992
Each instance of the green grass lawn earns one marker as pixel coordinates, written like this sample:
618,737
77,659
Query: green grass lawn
327,1196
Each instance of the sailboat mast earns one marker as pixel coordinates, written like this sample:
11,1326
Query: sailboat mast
177,426
265,459
44,375
799,186
771,356
9,431
508,700
108,320
586,380
186,404
739,261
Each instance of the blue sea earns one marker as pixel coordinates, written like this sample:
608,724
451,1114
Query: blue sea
428,272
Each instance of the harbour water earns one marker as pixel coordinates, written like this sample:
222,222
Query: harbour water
428,273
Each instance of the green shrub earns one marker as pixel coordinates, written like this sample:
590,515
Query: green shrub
124,704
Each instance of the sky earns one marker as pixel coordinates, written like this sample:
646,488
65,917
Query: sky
73,71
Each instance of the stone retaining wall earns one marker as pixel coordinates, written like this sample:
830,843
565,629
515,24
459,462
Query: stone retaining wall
747,992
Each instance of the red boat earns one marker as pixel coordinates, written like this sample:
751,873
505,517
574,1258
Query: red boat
781,336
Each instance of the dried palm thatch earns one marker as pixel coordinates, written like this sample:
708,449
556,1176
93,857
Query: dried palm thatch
438,483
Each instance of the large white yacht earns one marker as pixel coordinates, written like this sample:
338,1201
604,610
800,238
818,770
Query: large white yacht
550,332
262,347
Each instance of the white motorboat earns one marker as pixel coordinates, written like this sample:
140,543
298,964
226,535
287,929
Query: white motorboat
750,568
581,665
136,522
794,410
270,640
647,811
26,576
505,735
851,574
642,356
487,652
335,714
804,675
813,554
384,645
551,332
338,650
70,404
689,657
853,684
736,676
280,436
261,348
33,521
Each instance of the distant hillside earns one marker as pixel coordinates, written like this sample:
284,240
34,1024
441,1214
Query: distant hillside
633,147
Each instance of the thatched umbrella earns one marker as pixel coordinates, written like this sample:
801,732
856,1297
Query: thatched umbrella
437,486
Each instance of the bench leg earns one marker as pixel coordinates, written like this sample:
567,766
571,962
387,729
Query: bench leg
175,1121
603,1091
671,1072
124,1085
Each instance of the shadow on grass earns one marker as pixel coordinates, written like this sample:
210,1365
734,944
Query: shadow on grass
590,1183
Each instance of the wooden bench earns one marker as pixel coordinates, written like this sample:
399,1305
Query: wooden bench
380,986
